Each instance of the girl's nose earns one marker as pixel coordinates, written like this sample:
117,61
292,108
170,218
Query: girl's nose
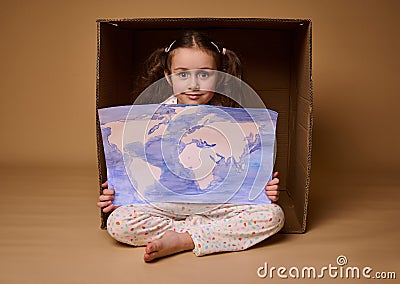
194,83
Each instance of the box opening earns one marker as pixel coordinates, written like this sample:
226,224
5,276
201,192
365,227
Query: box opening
276,58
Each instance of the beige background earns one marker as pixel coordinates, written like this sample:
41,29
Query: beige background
48,71
48,152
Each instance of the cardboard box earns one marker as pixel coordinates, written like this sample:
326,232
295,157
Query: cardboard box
276,57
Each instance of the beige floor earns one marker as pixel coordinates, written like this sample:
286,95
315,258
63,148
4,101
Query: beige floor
50,234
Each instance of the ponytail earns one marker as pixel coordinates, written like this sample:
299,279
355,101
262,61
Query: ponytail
231,63
228,93
153,70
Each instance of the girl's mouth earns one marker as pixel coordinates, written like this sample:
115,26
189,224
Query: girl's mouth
193,96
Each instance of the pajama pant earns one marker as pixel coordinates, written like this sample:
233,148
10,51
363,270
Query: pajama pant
213,229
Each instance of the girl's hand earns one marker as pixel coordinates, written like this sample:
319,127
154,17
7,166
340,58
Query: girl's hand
272,188
105,200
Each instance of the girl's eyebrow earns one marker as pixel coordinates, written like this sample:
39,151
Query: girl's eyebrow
185,69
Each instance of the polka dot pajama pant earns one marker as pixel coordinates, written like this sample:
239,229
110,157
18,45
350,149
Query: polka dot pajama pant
213,229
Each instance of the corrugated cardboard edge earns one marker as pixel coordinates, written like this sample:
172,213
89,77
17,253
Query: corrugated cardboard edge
178,19
104,216
308,181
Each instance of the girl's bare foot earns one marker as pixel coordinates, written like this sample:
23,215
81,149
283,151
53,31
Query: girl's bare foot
171,242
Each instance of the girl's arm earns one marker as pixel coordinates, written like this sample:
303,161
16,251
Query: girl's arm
106,198
272,188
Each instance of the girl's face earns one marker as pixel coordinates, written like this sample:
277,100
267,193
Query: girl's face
193,75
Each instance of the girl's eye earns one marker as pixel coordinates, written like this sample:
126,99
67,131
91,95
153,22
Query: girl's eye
183,75
203,74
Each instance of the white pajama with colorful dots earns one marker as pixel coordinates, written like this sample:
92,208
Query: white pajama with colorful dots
213,229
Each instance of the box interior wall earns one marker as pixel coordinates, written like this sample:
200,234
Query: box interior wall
276,57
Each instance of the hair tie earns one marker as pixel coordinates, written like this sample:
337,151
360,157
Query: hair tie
224,51
167,49
216,46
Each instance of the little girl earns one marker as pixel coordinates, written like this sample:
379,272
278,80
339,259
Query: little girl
175,227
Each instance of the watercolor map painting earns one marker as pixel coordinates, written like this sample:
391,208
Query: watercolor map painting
188,153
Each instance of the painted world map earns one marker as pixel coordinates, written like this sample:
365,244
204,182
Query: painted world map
188,153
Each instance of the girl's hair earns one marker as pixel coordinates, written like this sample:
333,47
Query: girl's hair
160,60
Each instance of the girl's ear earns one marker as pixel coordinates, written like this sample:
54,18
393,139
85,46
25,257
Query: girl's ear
167,77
